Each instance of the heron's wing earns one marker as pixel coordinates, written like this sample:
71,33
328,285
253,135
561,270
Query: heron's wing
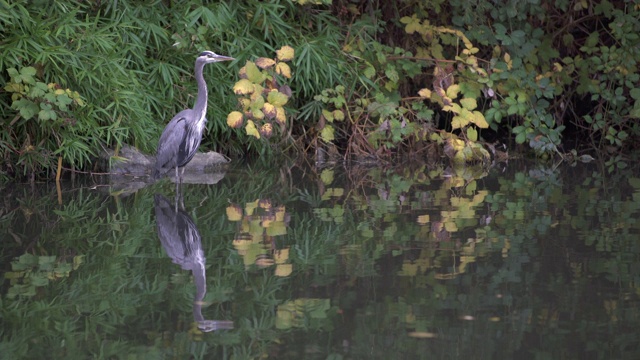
173,135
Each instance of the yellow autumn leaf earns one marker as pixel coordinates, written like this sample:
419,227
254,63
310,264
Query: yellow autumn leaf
243,87
423,219
454,108
234,119
458,122
266,130
453,90
283,270
327,134
286,53
284,70
425,93
250,207
472,133
251,129
234,213
265,63
479,120
328,115
281,256
281,117
269,110
469,103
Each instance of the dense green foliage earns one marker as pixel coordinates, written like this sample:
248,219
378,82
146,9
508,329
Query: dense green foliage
533,263
369,78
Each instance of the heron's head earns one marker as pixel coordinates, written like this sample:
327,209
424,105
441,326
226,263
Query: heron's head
211,57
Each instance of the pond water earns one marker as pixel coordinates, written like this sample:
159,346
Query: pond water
528,262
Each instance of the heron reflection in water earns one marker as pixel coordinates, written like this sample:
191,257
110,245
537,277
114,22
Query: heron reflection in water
181,241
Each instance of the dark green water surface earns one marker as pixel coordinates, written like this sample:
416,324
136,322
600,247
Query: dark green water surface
526,263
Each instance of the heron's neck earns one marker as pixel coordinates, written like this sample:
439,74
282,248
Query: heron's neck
201,101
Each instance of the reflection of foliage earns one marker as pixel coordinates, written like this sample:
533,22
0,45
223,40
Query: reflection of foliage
259,225
31,271
417,264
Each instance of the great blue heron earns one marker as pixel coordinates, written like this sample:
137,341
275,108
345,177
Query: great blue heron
182,135
182,242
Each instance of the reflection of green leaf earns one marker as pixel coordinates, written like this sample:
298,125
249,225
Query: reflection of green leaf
46,263
39,279
25,261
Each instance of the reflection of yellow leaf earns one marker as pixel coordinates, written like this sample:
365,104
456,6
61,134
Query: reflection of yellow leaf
326,176
280,213
409,269
283,270
422,335
276,229
234,213
450,226
281,256
423,219
250,207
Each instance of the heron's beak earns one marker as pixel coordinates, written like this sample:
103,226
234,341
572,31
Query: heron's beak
219,58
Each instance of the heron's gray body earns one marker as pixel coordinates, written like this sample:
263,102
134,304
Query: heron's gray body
182,135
